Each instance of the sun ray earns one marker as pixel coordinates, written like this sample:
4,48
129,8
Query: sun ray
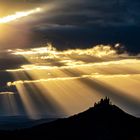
56,76
19,15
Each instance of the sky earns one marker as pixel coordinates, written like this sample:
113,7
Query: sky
70,23
58,57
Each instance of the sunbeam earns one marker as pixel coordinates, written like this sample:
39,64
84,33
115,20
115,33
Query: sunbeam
56,71
18,15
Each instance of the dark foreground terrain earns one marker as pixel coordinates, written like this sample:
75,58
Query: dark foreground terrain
104,121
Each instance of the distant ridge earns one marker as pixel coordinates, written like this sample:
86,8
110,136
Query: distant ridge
104,121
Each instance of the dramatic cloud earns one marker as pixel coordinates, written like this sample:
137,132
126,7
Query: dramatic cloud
73,23
86,22
95,12
48,80
60,77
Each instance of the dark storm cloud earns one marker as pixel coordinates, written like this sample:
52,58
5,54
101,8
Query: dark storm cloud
80,23
88,12
95,12
88,22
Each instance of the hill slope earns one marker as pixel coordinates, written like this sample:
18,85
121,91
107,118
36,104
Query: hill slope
101,122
